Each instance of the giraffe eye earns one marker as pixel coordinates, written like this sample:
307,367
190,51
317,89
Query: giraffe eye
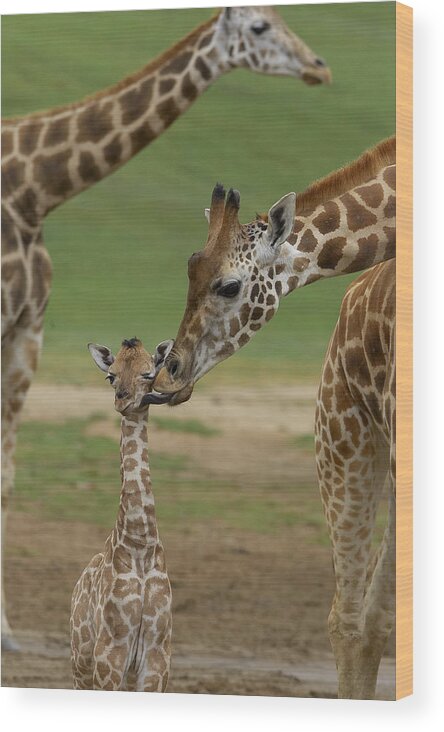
149,375
231,289
260,27
110,378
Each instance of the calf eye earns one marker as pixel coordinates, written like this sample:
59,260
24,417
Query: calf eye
260,27
149,375
110,378
231,289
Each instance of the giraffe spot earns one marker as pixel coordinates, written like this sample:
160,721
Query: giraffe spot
269,314
234,326
205,40
202,68
351,424
188,89
26,203
13,175
332,252
168,111
57,131
112,617
177,64
28,136
9,234
358,217
113,151
133,610
244,314
122,561
279,268
312,278
334,428
129,464
51,172
278,288
255,326
88,170
389,176
166,85
356,366
134,102
141,137
94,123
379,381
342,396
225,351
7,143
390,208
292,283
372,195
329,219
257,313
254,292
102,670
373,347
243,339
270,299
366,254
307,242
13,273
300,263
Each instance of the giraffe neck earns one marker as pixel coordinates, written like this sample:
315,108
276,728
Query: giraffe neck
347,234
69,149
136,526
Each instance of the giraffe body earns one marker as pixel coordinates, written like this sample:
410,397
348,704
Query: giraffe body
121,605
343,223
50,156
355,434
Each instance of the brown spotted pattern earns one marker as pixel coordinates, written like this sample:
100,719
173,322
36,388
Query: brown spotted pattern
355,417
121,605
333,238
355,453
51,156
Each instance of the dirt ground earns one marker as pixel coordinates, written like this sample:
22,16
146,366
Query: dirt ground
250,609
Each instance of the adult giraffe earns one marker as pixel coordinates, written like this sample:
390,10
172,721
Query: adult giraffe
51,156
344,223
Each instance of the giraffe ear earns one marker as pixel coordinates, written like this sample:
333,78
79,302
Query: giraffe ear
161,352
207,214
102,356
280,220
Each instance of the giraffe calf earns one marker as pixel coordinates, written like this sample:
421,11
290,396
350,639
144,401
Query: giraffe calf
121,604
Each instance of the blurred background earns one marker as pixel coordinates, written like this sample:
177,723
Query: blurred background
233,470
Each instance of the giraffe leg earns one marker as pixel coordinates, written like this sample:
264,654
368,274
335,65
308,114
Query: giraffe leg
352,467
20,353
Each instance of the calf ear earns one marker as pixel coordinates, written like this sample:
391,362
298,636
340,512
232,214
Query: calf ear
161,352
280,220
207,214
101,355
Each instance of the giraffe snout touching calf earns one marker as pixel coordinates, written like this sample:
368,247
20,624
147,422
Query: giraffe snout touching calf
121,605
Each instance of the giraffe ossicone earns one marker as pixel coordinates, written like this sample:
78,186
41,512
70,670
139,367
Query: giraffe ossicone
121,617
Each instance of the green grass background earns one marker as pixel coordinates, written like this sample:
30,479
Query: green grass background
120,249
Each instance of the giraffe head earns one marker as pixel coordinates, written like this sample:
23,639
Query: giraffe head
233,290
131,373
258,39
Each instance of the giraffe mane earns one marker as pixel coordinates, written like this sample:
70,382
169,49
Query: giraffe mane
128,80
342,180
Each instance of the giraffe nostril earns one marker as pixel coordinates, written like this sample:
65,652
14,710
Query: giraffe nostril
121,394
319,62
